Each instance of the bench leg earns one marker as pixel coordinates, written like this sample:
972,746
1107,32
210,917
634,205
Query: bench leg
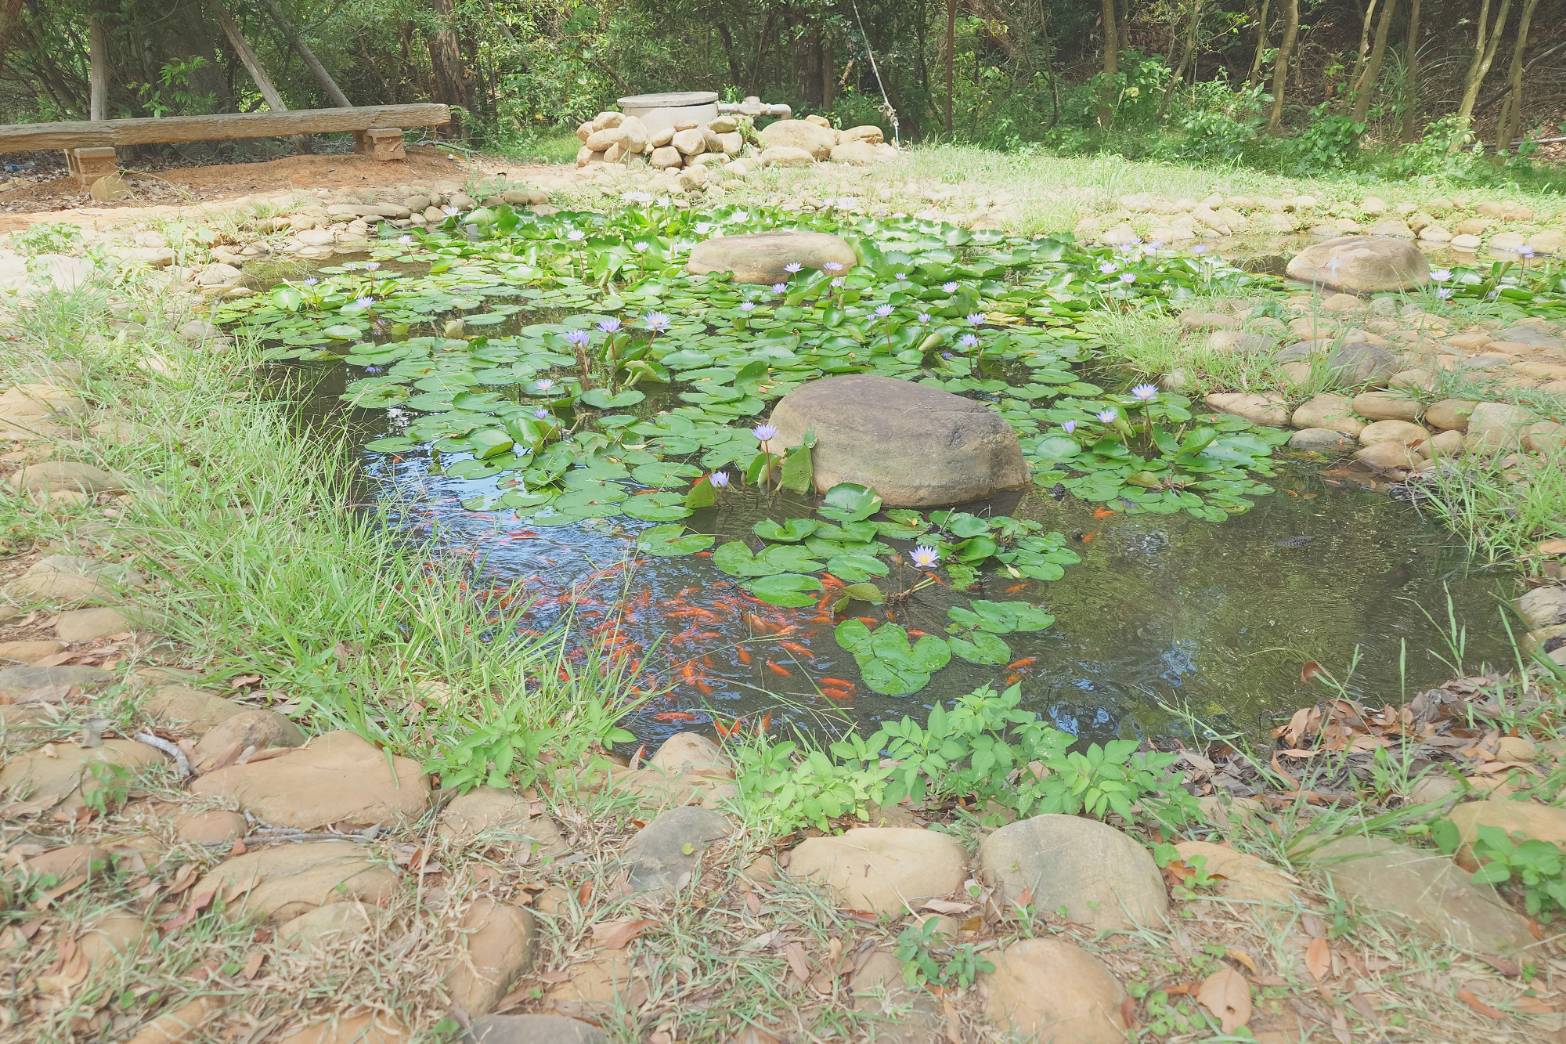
382,143
90,164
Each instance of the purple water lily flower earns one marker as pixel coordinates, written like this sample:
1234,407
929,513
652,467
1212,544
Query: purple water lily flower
902,277
542,414
747,306
362,302
1128,277
578,338
950,286
543,384
703,227
975,319
1441,275
924,556
405,239
837,283
311,281
1108,267
1444,292
1107,416
657,322
832,266
778,288
1068,426
1145,392
924,318
370,266
450,211
968,340
1200,249
764,433
609,326
576,235
882,311
719,479
793,267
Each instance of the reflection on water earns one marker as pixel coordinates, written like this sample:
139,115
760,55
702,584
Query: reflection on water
1162,610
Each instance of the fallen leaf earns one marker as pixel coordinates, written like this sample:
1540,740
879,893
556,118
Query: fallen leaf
617,935
1227,995
794,953
1318,959
946,906
1243,958
1471,999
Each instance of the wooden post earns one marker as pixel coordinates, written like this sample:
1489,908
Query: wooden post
98,75
334,93
90,164
247,57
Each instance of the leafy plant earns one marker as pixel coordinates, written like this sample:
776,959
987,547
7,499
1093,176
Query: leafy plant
1537,869
926,958
54,237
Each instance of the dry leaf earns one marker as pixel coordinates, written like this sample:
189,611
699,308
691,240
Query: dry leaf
1227,995
1318,959
794,953
1243,958
946,906
617,935
1471,999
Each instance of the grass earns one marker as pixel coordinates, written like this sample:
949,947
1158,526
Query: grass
263,563
1501,511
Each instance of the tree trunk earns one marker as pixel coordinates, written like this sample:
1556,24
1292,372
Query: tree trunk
951,59
1411,74
98,74
1280,68
1364,41
1254,76
1372,71
334,93
451,79
1485,44
10,18
1111,64
248,58
1510,123
1186,53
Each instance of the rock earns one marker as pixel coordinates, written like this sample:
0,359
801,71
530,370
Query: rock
1449,414
366,1028
1243,878
218,274
866,132
1530,819
1545,437
52,476
882,870
1496,426
914,444
598,986
665,854
335,779
1099,876
183,709
1542,607
534,1029
68,580
1423,888
665,157
66,862
1393,228
28,651
1049,990
50,684
213,827
188,1022
1392,459
1333,412
911,1016
281,882
332,924
252,729
761,257
1443,444
1356,362
1380,406
1401,432
1362,265
111,937
785,156
858,153
690,142
498,945
492,816
85,625
1258,409
1321,440
815,140
57,777
1465,242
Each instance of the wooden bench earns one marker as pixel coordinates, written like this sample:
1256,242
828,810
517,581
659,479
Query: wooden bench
90,145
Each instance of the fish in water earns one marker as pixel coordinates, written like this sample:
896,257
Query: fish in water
1294,541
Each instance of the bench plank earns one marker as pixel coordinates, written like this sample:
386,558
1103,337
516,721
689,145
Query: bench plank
28,137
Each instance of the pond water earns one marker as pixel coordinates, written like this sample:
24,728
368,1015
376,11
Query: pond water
562,436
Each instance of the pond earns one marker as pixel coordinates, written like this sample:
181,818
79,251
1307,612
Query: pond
1163,564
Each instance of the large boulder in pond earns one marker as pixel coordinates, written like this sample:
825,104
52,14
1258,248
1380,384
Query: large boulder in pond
1361,265
915,445
763,257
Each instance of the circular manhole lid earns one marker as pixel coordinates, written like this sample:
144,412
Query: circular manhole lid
670,100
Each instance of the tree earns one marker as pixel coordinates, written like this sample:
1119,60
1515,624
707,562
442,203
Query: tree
1365,86
1186,53
1509,127
1111,64
452,85
1411,73
1280,68
1254,76
1486,40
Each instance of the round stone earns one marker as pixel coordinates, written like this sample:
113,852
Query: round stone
915,445
1362,264
1046,989
1100,876
763,257
882,870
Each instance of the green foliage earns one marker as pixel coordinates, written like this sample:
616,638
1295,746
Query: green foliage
786,786
1330,141
1537,869
47,238
928,960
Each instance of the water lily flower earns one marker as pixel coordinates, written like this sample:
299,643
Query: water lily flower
882,311
657,322
1068,426
719,479
902,277
1444,292
1145,392
543,384
405,239
950,286
924,556
578,338
541,413
837,283
370,266
1154,246
975,319
1107,416
1525,250
1107,267
968,340
792,267
1441,275
1199,249
1128,277
747,306
609,326
778,288
832,266
703,227
450,211
640,246
924,318
362,302
311,281
764,433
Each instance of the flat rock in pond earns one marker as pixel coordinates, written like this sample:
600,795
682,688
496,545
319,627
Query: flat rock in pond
1361,264
915,445
763,257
